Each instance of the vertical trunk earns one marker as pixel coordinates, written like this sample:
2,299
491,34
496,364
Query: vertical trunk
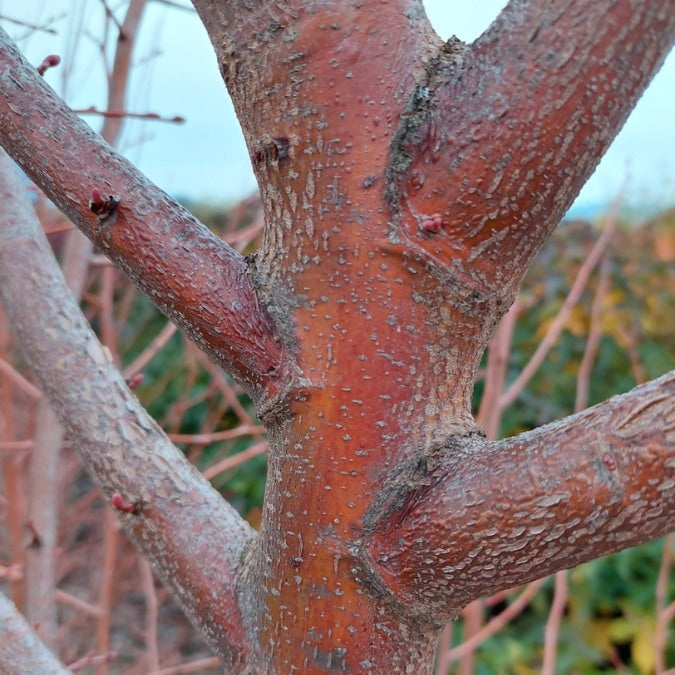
386,351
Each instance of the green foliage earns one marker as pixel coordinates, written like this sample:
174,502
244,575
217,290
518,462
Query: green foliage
609,621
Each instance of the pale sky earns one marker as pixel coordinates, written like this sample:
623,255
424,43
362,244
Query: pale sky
206,158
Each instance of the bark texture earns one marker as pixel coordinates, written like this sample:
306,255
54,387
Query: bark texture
44,460
20,648
479,517
193,538
407,183
193,276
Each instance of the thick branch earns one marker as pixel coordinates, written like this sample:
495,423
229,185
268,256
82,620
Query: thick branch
196,279
516,126
193,538
508,512
21,650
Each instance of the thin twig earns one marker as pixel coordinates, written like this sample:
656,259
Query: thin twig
111,15
242,238
444,644
110,539
194,667
108,327
151,604
220,381
206,439
558,323
236,460
490,414
495,624
70,600
125,114
15,506
473,623
593,340
13,446
661,595
176,5
33,26
19,380
99,260
150,351
92,659
553,623
11,572
636,364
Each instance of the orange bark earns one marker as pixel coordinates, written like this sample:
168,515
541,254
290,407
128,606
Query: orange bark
406,183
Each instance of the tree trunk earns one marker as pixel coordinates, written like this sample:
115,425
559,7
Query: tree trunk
407,184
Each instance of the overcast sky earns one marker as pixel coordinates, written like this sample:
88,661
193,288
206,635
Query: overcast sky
205,158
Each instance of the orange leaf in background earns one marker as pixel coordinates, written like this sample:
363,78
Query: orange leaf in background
664,246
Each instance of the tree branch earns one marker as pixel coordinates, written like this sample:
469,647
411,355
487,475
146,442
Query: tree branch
119,76
21,650
517,510
283,64
192,537
196,279
511,128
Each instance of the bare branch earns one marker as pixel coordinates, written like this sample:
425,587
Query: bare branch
553,623
207,292
44,461
241,457
497,622
193,667
151,604
593,339
91,659
125,114
142,360
20,648
175,5
19,380
509,130
519,509
80,605
661,593
191,536
33,26
214,437
119,75
43,509
558,324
